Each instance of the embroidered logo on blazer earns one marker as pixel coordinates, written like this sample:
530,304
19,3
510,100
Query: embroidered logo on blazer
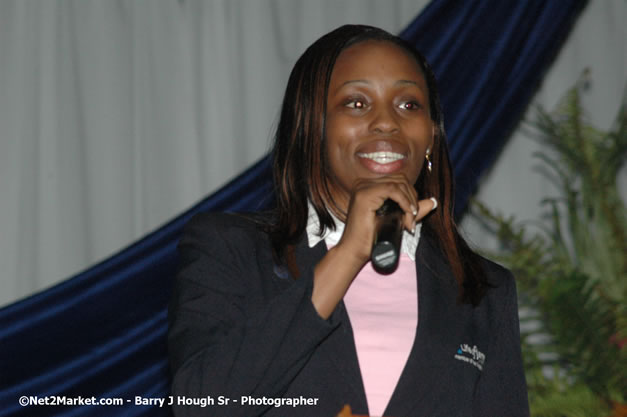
471,355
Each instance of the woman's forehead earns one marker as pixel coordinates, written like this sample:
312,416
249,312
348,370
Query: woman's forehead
375,64
375,58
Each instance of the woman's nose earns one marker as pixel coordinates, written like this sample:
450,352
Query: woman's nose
384,121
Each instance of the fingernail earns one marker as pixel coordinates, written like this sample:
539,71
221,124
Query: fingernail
435,203
413,210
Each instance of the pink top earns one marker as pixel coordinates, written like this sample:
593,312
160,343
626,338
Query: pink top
383,311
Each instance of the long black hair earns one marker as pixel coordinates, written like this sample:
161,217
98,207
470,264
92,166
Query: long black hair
300,163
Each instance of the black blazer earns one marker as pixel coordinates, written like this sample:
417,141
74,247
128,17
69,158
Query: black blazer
241,327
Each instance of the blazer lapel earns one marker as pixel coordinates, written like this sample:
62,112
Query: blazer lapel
437,319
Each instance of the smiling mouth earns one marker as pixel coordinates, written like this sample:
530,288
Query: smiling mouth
382,157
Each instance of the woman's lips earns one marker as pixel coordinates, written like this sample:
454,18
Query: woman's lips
382,162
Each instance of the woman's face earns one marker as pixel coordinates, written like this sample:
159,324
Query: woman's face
378,120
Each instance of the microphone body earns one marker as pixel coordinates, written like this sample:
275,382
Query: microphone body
386,248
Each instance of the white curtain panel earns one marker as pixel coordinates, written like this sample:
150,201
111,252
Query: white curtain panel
117,115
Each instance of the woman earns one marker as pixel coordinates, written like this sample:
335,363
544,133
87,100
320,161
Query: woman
284,315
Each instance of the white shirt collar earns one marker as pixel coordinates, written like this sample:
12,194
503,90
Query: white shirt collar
331,237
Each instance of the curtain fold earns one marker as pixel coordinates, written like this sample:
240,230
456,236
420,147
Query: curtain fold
102,333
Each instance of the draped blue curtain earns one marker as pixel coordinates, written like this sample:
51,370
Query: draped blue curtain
489,57
102,333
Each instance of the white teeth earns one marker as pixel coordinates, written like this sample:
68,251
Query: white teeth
382,157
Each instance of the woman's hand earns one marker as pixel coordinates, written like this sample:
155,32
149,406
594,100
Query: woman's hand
335,272
367,197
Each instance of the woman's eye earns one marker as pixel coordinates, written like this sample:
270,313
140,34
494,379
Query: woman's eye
356,104
409,105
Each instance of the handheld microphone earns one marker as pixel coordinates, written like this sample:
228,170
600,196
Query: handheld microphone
386,248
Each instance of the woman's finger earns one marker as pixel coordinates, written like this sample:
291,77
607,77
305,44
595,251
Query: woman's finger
425,207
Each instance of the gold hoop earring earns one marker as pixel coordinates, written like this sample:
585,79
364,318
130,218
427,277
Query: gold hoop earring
429,164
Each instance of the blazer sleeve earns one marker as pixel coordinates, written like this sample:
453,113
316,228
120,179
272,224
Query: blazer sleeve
229,335
502,389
